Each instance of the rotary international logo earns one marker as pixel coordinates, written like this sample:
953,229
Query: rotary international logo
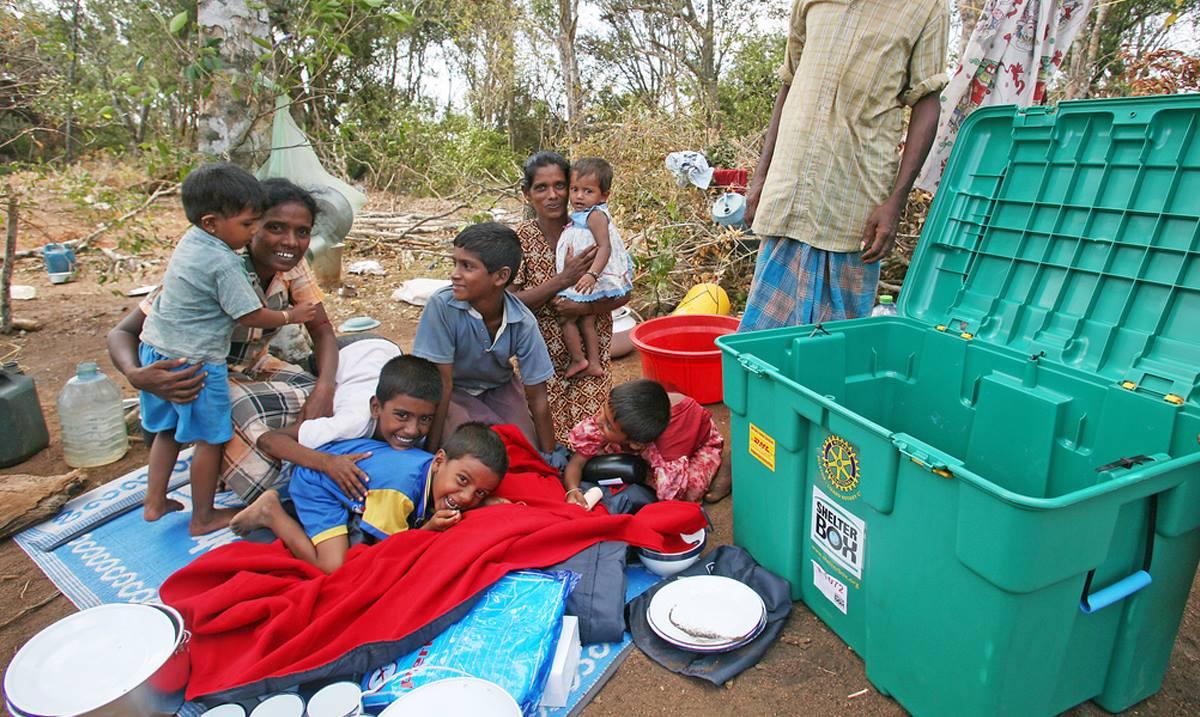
839,465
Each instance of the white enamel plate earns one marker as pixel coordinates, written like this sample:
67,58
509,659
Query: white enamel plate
706,612
89,659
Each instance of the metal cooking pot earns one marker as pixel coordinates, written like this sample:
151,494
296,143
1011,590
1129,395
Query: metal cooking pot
159,694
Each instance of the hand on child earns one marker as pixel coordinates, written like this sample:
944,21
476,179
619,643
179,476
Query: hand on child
303,312
442,520
348,476
586,284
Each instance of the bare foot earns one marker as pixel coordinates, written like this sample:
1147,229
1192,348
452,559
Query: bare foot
576,368
721,485
152,511
593,369
257,514
217,519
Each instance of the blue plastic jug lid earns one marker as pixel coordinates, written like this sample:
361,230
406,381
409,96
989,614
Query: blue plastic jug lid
87,370
358,323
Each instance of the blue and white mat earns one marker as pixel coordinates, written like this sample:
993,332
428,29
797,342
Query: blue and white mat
98,550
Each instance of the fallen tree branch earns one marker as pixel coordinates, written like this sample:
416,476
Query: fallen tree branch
83,242
32,608
443,215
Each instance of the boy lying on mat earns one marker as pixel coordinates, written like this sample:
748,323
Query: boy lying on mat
365,489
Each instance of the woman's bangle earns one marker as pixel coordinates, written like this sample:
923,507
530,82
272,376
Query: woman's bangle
575,490
594,275
287,317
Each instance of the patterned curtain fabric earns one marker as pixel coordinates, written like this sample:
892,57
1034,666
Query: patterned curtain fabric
1015,49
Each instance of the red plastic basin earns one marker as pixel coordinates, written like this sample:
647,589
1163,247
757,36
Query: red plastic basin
679,353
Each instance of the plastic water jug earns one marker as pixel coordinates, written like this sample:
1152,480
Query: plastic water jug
93,423
886,306
60,262
729,210
22,424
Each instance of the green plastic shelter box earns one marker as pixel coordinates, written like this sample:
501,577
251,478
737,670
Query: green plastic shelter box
994,497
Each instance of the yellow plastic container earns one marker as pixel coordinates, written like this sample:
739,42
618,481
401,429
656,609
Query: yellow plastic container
704,299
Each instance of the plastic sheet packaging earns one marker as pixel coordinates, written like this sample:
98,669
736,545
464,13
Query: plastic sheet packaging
507,638
418,291
690,167
292,158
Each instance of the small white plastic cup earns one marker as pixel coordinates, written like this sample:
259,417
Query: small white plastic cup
340,699
282,705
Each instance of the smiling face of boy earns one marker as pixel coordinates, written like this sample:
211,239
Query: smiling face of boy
402,420
471,281
461,483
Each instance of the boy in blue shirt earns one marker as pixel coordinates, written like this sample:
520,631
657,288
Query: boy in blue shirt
388,486
399,412
473,329
205,292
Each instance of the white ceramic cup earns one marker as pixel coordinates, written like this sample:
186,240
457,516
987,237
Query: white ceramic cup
282,705
340,699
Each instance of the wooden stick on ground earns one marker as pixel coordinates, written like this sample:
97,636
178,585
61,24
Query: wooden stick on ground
82,243
10,251
32,608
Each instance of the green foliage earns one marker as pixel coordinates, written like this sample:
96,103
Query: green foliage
178,23
404,149
747,92
1132,30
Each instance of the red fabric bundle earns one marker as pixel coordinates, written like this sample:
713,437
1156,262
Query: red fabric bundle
262,619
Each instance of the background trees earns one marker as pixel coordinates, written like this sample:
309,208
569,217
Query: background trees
418,94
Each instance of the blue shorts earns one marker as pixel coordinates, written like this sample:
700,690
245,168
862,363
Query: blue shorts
207,418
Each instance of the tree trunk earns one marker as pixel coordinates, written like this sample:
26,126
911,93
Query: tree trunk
70,123
708,65
1084,53
968,12
568,16
235,119
10,255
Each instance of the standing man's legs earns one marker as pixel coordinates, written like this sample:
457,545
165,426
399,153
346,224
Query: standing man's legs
796,284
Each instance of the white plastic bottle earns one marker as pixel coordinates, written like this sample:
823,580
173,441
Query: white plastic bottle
92,421
886,306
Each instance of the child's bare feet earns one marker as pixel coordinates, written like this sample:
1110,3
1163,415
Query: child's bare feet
214,521
257,514
593,369
153,510
577,367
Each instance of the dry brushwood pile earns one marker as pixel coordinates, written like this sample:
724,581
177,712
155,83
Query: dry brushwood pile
668,228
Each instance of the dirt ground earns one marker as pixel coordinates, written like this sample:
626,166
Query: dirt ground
809,670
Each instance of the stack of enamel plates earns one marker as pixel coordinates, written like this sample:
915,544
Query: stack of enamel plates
707,613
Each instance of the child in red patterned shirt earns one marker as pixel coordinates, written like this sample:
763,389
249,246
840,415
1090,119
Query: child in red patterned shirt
673,433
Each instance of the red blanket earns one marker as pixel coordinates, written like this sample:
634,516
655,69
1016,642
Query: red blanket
263,620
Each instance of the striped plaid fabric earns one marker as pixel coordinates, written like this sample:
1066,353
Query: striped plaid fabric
796,284
273,400
248,352
852,65
266,392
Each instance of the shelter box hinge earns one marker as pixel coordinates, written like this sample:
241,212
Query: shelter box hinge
958,327
1036,116
1155,386
924,455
